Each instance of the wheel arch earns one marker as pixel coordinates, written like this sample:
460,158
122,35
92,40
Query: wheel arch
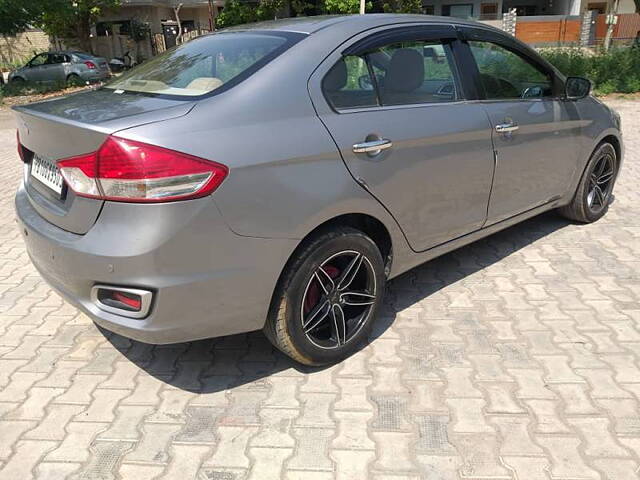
368,224
617,145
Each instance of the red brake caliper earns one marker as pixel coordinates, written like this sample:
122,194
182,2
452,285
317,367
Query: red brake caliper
313,294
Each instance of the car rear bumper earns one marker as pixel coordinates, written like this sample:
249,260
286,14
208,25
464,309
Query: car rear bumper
95,75
206,280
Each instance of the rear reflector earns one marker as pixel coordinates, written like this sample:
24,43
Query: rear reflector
129,171
130,300
127,302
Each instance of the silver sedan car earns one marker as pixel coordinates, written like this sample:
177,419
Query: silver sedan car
62,67
276,176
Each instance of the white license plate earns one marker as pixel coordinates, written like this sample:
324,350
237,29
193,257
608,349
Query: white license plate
47,172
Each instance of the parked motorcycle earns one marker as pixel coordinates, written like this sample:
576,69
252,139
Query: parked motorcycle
120,64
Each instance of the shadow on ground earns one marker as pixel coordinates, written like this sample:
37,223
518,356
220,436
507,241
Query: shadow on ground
217,364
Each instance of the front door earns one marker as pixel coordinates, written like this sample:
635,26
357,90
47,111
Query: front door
37,66
535,134
396,113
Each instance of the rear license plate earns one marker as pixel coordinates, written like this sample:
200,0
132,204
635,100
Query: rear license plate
47,172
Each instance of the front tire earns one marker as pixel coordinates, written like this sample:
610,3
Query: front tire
327,298
593,195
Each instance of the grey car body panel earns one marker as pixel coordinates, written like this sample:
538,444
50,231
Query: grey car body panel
213,263
522,179
65,127
206,280
109,111
432,144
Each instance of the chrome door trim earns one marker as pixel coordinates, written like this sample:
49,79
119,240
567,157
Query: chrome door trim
507,127
373,147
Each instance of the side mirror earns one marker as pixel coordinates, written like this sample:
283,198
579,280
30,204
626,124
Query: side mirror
576,88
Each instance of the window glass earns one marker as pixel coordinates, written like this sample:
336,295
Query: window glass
415,72
505,74
405,73
39,60
57,58
204,64
349,85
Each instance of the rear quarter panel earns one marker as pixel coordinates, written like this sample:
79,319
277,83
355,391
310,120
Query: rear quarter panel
286,174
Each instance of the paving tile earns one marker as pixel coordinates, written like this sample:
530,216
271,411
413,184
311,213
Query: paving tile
516,357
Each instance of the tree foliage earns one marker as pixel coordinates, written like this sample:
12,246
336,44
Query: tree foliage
403,6
237,12
73,18
342,6
18,15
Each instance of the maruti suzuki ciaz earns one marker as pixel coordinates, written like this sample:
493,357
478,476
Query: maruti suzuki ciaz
274,176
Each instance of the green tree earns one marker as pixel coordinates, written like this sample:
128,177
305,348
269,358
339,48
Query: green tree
18,15
345,6
403,6
73,18
237,12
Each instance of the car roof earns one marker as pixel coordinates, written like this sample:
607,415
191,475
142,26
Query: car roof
69,52
310,25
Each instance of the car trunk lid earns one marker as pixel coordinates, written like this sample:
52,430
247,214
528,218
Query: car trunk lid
72,126
102,64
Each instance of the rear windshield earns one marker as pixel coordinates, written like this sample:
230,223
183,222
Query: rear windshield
212,62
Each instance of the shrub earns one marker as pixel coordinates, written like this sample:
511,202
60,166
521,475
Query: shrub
617,70
16,89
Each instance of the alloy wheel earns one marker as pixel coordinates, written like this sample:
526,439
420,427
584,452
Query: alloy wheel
600,183
338,299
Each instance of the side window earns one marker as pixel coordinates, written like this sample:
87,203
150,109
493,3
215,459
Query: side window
415,72
405,73
57,58
349,85
39,60
505,74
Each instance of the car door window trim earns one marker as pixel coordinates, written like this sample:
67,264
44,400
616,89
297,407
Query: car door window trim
401,34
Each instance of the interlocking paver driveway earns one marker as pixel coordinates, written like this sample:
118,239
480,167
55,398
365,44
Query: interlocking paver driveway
515,357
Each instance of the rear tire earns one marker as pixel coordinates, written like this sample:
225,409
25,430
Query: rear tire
593,195
327,298
74,80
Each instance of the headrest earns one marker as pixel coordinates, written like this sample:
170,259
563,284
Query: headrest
405,72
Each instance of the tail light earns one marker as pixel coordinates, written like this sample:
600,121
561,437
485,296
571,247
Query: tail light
90,65
129,171
20,147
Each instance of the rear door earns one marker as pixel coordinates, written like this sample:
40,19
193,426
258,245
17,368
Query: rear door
535,132
56,69
393,102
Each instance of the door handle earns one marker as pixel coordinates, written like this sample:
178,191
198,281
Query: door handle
507,127
374,146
